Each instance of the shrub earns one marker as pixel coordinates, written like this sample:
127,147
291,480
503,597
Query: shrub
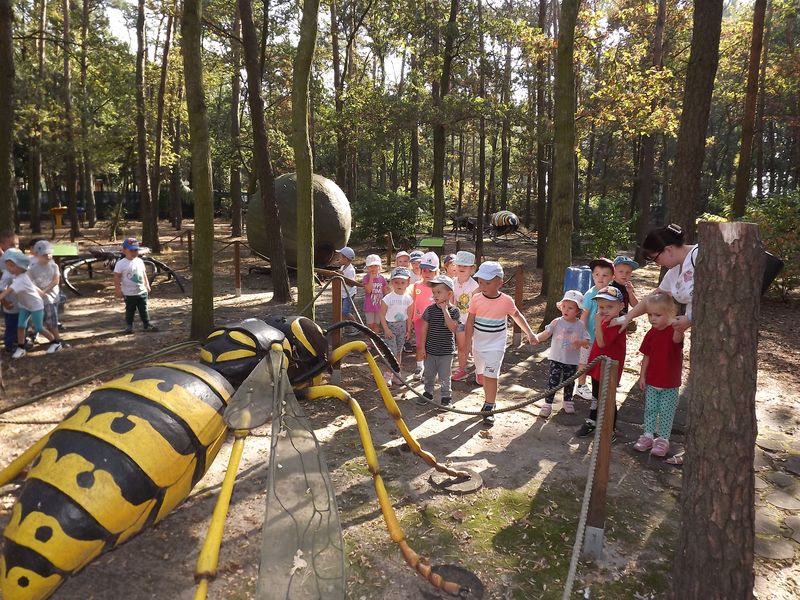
778,217
379,213
604,227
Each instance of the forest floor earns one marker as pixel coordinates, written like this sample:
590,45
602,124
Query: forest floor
516,534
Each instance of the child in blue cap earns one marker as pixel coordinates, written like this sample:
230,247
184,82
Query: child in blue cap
130,282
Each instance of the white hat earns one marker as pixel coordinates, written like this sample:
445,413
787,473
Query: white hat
42,248
401,253
373,259
573,296
443,279
416,255
347,252
429,260
489,270
465,259
17,257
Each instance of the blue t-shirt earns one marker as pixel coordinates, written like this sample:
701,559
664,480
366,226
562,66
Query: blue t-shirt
590,306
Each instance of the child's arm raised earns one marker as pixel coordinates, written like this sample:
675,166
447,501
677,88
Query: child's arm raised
452,324
367,284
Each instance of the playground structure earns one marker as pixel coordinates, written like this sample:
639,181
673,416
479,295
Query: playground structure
500,225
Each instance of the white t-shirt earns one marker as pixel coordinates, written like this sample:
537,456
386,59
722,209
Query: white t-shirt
563,335
27,293
350,272
397,307
679,280
11,300
42,275
133,275
462,294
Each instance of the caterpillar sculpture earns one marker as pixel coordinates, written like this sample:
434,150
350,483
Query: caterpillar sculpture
132,451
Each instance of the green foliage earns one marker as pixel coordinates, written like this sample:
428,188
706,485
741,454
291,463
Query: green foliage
777,217
605,226
397,213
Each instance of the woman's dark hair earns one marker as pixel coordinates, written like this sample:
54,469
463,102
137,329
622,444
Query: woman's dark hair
660,238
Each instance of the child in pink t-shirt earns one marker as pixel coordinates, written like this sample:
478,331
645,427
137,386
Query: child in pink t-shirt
487,331
422,296
375,288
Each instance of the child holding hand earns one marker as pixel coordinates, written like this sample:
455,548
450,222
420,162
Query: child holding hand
438,327
569,335
396,317
464,286
660,377
602,275
375,288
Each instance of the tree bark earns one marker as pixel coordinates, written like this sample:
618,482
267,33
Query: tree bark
541,166
505,135
69,129
236,168
301,75
482,140
143,179
203,265
559,250
7,74
176,208
87,178
338,90
714,557
36,138
759,125
262,159
742,188
703,61
414,149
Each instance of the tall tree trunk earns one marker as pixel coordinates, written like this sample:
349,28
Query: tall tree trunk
439,126
703,60
7,194
482,140
71,173
462,163
236,168
714,559
143,179
414,185
87,178
559,250
491,204
175,182
742,189
759,134
644,185
262,159
505,135
36,138
541,165
301,76
338,90
203,265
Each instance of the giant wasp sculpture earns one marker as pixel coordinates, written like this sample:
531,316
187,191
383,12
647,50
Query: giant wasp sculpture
132,451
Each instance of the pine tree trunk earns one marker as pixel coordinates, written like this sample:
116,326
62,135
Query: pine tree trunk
87,178
70,169
176,208
541,166
7,195
505,135
203,265
36,138
236,169
301,75
759,133
714,558
703,61
414,150
338,90
559,249
742,188
143,174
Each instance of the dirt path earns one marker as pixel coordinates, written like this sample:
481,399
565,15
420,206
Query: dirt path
516,534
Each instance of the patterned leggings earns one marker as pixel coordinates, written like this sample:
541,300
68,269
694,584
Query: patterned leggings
660,405
558,373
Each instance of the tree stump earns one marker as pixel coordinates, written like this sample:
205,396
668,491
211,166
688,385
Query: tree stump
714,556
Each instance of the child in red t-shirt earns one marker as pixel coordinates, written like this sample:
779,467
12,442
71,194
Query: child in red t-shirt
660,376
608,341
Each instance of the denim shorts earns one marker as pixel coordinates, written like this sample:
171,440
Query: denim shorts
347,306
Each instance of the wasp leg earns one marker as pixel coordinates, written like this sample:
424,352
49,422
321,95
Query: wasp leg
414,560
392,408
18,465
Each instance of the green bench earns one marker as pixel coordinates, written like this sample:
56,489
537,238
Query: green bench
435,244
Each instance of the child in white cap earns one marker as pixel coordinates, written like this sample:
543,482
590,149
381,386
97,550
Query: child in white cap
396,316
375,288
487,331
402,259
44,272
568,335
464,286
439,323
422,296
31,306
346,257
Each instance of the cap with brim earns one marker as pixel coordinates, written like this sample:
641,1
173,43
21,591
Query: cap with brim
602,262
609,293
489,270
443,279
573,296
416,255
448,259
17,257
347,252
465,259
400,273
131,244
372,260
624,260
42,248
429,261
401,254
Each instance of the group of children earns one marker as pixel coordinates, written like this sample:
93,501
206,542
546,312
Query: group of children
462,310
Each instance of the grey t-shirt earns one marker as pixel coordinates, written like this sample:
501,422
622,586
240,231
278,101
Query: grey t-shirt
563,335
42,275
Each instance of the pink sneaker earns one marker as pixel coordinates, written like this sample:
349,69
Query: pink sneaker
545,410
660,447
459,374
569,407
643,444
479,379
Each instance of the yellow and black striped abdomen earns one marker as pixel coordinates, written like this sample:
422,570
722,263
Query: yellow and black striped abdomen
120,461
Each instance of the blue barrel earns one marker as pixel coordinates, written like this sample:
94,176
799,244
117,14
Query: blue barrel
578,278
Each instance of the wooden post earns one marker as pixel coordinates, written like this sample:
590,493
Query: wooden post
715,546
336,336
389,249
237,269
596,518
189,242
519,293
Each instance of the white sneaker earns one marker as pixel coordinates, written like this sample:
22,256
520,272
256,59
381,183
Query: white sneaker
417,376
54,347
19,353
545,410
584,391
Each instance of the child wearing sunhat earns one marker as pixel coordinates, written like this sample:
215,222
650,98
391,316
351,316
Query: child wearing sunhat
346,257
464,286
396,316
131,283
568,335
31,305
487,331
438,327
375,288
46,275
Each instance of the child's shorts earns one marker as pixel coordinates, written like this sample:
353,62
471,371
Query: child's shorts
51,316
584,356
398,328
372,318
488,363
347,306
36,317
